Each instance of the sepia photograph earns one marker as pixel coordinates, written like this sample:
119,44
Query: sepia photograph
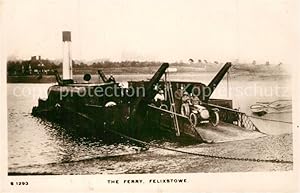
140,94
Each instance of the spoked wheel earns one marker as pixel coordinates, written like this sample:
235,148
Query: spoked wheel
184,110
194,119
215,118
163,106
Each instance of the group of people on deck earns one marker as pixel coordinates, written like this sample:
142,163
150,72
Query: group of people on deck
183,100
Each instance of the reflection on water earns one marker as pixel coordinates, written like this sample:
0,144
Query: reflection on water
33,141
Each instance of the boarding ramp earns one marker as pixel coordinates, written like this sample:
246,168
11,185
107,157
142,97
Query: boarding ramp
234,125
225,132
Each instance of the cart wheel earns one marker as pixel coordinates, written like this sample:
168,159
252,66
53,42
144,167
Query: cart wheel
215,119
193,119
184,110
163,106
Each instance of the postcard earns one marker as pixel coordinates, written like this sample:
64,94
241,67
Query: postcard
155,96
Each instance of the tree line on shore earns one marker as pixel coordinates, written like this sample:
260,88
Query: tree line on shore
46,66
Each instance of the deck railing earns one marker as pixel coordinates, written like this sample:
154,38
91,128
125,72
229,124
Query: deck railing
235,117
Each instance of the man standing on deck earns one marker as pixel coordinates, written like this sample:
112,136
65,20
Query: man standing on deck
111,79
186,102
178,96
159,98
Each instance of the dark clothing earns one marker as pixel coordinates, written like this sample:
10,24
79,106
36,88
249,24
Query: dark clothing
177,99
111,79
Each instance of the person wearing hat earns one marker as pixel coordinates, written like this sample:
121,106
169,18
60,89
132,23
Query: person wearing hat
159,98
186,102
178,94
195,99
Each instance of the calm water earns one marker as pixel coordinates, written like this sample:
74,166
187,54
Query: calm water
32,141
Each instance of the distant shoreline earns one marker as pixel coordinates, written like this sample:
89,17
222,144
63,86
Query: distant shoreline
31,79
237,72
238,75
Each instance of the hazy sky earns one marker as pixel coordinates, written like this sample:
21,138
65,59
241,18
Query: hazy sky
167,30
